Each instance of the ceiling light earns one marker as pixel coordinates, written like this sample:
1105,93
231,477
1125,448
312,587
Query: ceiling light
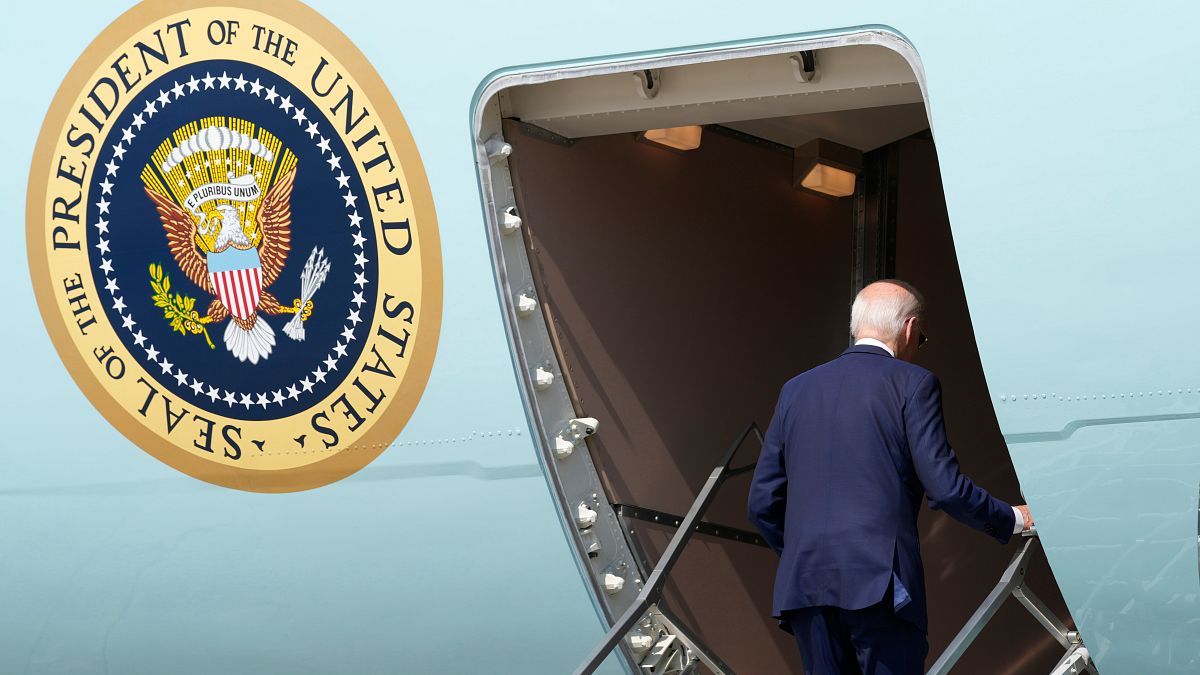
829,180
826,168
677,138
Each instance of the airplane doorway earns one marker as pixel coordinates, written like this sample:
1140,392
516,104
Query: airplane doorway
679,289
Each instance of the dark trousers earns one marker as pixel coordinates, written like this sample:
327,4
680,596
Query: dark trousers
870,641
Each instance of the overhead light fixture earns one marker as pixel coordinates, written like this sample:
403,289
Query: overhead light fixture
826,168
676,138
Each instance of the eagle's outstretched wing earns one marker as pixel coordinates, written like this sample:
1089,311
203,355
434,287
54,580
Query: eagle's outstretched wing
275,223
181,239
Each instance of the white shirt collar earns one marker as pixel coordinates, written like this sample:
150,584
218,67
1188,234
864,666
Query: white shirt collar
872,342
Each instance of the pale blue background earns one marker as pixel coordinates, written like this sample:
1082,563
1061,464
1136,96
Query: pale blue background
1067,139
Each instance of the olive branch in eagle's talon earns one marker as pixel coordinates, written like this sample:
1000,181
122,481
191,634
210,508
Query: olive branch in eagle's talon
178,309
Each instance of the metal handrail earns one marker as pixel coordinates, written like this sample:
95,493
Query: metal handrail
652,590
1012,582
1075,661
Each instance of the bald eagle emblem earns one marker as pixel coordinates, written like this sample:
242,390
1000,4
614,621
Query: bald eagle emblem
222,189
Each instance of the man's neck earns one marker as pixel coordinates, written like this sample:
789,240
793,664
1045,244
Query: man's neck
872,342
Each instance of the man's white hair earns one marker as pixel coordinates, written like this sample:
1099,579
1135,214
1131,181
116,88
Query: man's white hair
882,316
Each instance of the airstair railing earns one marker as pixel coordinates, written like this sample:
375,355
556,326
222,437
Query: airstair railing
651,593
1076,660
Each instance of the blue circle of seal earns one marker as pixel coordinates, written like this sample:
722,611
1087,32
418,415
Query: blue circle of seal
329,214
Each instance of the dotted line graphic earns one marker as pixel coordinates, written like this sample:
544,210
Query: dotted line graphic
1071,398
472,436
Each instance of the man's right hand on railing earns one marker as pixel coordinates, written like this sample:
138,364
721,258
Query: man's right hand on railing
1024,509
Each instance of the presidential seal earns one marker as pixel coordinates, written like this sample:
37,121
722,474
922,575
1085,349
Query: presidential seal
233,243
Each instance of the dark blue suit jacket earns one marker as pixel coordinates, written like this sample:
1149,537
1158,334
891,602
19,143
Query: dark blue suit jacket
853,446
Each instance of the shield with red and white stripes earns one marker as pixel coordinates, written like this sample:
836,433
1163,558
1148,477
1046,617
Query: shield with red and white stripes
236,277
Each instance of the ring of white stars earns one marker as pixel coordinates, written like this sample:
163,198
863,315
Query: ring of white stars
154,105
